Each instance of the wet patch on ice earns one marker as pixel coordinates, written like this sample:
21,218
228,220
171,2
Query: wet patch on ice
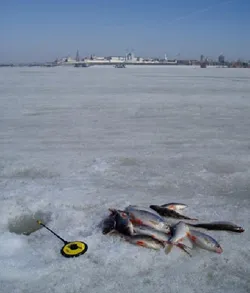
45,111
224,167
129,161
29,173
26,224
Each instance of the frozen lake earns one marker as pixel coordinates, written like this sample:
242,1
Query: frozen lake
76,141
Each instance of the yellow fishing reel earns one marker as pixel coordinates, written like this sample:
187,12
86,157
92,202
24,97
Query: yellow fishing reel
74,249
70,249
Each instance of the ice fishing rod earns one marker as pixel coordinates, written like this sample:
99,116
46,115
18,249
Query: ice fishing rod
70,249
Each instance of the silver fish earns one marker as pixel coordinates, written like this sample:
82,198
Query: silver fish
143,217
161,236
204,241
145,241
166,212
175,206
156,234
179,232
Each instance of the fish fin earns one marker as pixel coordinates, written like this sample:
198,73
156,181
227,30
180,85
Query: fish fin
191,237
140,243
173,207
136,221
168,248
112,232
185,248
167,206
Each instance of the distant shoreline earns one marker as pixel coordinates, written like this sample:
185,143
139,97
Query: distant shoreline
185,63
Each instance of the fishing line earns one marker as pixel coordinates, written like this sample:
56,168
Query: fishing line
70,249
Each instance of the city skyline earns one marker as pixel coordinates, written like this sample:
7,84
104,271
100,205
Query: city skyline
46,30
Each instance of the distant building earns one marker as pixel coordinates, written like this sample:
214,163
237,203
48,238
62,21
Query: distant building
130,57
221,59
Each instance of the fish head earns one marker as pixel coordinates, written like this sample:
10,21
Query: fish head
218,249
212,243
155,207
239,229
123,223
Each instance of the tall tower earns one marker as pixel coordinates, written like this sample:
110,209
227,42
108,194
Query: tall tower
77,56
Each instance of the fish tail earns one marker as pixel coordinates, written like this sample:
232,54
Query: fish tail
168,248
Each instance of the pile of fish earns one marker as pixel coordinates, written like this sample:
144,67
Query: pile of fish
147,228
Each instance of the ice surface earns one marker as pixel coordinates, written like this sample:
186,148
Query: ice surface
76,141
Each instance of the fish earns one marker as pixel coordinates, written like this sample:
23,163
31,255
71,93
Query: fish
159,235
175,206
145,241
123,224
108,225
143,217
178,233
156,234
166,212
140,208
204,241
226,226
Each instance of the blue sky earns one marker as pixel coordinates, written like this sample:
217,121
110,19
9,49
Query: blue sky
42,30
